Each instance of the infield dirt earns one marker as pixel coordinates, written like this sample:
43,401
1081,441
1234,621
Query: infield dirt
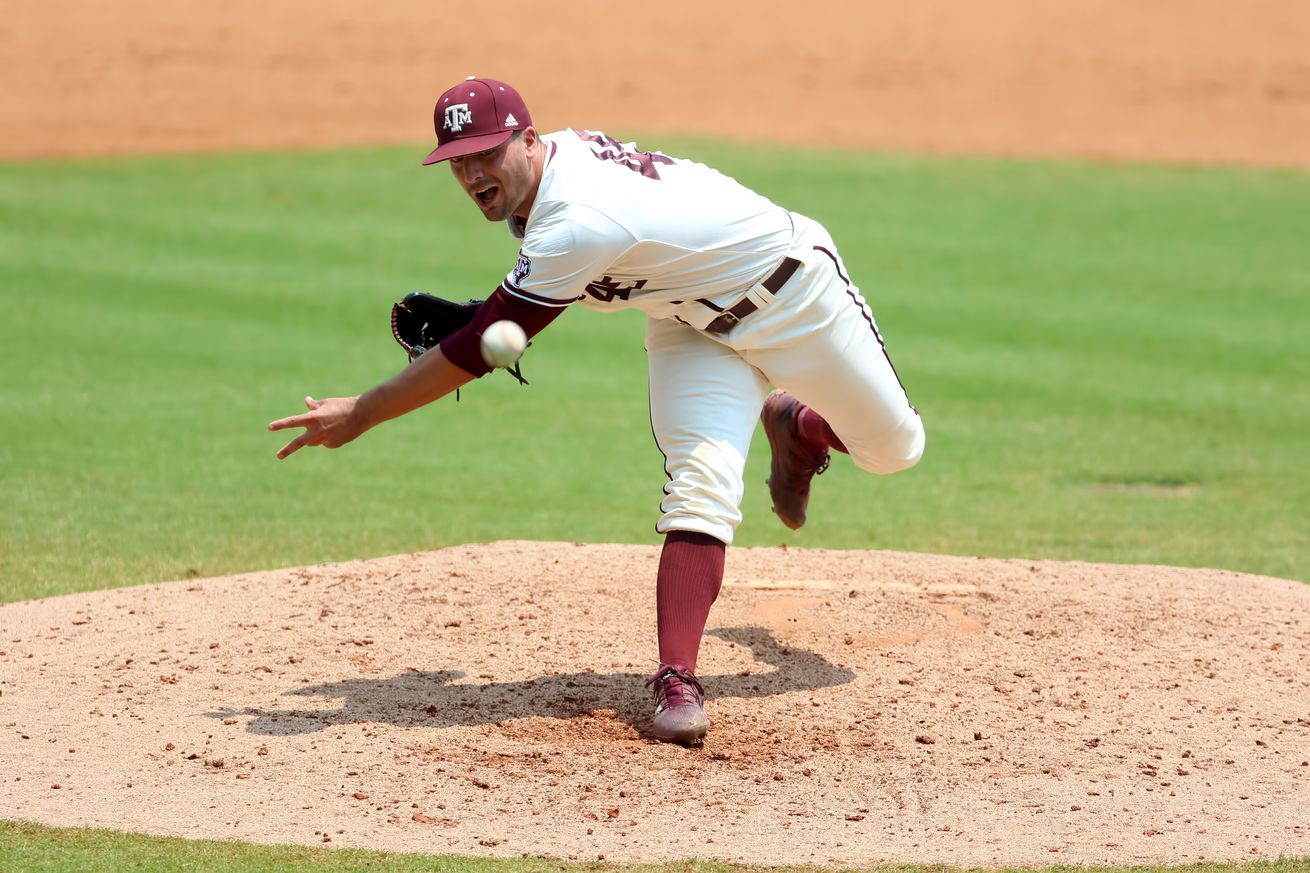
1189,80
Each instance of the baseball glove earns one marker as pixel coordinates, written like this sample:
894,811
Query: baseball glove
422,321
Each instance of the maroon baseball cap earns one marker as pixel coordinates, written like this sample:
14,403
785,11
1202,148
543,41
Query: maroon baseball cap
476,115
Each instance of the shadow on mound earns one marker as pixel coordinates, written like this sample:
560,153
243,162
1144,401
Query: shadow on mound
436,699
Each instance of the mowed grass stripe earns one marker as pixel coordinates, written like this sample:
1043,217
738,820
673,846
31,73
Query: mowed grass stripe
1108,359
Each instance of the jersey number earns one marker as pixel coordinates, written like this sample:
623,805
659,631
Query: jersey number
608,149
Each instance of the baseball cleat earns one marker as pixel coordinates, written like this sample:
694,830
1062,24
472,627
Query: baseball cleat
794,463
679,706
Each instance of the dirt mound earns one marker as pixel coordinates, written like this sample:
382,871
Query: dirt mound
1193,80
488,700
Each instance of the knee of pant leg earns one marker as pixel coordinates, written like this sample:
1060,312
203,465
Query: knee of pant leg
704,492
894,451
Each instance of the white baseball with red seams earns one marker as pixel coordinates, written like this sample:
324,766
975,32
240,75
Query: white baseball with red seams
503,343
613,227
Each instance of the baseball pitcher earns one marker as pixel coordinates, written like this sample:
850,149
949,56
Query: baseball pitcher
738,294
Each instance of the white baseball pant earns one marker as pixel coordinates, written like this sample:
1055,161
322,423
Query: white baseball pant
818,340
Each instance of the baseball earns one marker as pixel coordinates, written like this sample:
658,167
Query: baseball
503,343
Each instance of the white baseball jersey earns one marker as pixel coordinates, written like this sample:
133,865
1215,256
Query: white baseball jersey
613,227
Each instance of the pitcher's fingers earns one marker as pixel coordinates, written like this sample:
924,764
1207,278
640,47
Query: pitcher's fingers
304,419
311,403
293,446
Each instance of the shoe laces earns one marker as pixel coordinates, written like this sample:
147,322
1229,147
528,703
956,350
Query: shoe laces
821,465
675,687
806,466
805,459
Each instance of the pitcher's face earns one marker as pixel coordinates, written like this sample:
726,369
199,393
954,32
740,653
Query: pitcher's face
501,181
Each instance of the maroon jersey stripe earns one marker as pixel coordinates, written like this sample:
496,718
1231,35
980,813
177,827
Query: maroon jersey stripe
536,298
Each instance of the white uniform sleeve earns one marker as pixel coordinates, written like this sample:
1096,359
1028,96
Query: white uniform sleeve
567,246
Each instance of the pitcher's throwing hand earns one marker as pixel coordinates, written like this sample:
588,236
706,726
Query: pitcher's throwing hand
330,423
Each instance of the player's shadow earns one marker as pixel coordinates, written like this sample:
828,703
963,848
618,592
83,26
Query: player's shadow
437,699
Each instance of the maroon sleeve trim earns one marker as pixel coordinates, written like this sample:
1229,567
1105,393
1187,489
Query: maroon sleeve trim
464,347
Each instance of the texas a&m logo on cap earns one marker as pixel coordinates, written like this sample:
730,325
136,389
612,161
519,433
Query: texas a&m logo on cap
476,115
457,116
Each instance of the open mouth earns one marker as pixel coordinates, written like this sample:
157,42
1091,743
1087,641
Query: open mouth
487,195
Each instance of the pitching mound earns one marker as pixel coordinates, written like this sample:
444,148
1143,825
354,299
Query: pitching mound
488,700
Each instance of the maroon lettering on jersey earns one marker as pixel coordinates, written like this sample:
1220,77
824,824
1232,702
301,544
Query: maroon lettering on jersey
606,289
608,149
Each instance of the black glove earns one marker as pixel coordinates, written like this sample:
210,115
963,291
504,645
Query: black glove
421,321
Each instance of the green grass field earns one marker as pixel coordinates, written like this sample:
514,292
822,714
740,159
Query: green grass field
32,849
1109,361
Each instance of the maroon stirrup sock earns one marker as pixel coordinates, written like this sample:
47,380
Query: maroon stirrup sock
814,430
690,575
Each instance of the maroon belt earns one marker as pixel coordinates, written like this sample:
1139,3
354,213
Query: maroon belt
744,307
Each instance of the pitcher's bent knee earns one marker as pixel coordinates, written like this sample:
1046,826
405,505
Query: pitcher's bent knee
891,452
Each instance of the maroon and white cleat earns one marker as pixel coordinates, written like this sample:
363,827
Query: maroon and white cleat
795,462
679,706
